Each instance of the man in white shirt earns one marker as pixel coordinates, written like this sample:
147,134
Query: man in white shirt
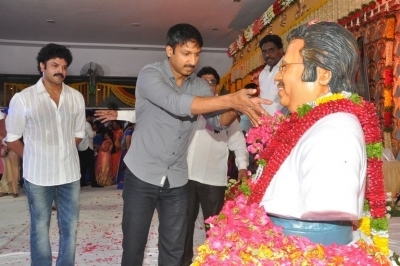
86,152
272,51
51,118
207,163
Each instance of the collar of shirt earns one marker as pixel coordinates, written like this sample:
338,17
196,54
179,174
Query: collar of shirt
267,67
39,88
167,68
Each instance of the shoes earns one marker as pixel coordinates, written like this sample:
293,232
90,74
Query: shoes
2,194
97,185
84,185
15,195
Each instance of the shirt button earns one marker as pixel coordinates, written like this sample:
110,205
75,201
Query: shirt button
173,153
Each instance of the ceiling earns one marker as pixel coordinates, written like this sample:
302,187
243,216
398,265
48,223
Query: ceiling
108,23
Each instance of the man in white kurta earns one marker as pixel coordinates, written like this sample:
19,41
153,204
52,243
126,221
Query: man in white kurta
207,164
272,51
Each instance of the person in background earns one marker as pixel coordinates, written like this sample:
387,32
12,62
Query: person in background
86,152
125,144
272,52
11,163
51,118
118,133
103,163
97,127
169,97
4,150
245,123
208,166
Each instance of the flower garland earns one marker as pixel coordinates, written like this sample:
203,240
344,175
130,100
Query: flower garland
290,131
388,78
255,28
243,234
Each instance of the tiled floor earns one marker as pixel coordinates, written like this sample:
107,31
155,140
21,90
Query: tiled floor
99,231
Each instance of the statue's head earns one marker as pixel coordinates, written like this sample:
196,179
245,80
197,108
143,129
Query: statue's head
321,57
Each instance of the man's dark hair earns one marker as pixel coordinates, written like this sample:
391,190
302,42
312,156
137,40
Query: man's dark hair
51,51
272,38
207,70
329,46
183,33
251,86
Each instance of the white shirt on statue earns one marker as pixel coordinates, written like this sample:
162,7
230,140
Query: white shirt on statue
324,176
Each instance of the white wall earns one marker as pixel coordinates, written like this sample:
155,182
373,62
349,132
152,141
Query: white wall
115,62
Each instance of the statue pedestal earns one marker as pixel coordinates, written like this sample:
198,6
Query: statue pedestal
323,232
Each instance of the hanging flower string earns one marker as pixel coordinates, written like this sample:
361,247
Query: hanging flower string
388,76
243,234
254,29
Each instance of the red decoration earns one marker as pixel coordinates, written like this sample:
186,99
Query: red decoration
256,27
388,76
372,6
387,119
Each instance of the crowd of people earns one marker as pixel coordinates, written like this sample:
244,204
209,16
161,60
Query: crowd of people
102,150
170,154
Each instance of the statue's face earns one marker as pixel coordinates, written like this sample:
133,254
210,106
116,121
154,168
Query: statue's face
292,90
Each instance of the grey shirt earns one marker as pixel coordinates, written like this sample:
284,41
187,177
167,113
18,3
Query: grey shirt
164,124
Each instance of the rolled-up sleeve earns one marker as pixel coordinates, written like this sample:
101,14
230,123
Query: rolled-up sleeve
15,120
127,115
237,144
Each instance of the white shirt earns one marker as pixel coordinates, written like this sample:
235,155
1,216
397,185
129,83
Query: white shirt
324,176
269,89
208,152
50,156
127,115
87,141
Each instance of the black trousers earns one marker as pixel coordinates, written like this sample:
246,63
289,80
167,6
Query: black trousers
211,200
140,201
86,161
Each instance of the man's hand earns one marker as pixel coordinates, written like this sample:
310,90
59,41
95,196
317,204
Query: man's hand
250,106
106,115
242,174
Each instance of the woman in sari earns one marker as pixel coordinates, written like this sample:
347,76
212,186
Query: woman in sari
118,133
125,144
103,163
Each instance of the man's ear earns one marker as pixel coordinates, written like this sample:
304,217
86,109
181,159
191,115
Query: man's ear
169,51
42,66
323,76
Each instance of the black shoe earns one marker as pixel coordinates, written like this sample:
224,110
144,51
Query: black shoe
84,185
97,185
